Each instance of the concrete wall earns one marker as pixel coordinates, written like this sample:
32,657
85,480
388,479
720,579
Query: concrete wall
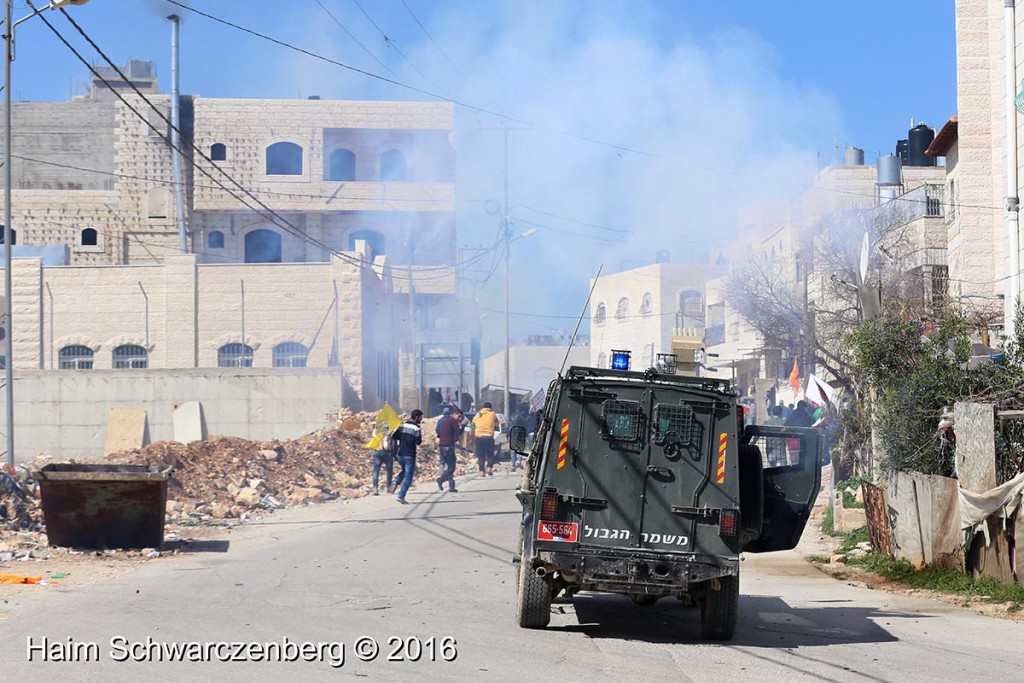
64,414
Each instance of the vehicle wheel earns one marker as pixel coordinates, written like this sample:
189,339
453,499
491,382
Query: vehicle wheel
533,602
720,609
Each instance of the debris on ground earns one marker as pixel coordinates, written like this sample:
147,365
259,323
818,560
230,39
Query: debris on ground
224,480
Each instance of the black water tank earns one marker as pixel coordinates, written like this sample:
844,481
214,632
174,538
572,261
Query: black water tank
901,152
919,138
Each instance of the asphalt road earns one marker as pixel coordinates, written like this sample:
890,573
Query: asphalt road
439,568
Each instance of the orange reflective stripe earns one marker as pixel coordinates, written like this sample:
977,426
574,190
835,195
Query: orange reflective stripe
723,441
563,444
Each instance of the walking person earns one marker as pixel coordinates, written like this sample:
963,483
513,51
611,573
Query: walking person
406,438
484,424
449,429
383,457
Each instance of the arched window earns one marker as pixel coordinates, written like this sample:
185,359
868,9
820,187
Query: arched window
599,314
262,246
284,158
75,357
130,356
392,166
290,355
691,305
646,304
89,237
219,151
622,309
157,200
14,235
371,237
215,240
342,165
234,356
602,359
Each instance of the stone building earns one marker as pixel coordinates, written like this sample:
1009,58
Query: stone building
328,227
640,310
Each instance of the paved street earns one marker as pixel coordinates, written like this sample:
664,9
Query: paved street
440,568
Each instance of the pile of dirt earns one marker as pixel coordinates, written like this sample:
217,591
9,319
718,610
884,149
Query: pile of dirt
229,477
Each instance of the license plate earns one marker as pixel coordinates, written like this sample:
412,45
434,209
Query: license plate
558,531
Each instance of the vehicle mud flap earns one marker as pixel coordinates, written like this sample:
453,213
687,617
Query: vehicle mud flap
533,599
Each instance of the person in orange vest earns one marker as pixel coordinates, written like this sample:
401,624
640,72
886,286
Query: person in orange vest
484,424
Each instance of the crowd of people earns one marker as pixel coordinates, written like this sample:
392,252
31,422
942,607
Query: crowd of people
403,442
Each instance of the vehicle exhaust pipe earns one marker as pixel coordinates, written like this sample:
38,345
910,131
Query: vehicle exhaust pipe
542,571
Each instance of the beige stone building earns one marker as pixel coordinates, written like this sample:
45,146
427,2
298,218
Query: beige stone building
809,249
640,310
318,232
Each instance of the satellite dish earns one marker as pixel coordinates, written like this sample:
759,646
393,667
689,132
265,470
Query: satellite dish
865,250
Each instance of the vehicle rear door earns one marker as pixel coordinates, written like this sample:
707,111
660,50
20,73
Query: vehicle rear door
791,477
594,462
678,481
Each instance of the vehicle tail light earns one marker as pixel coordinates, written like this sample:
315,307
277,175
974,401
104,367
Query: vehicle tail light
728,522
549,505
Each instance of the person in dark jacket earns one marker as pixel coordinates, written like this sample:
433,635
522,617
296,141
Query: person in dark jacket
405,439
801,416
449,429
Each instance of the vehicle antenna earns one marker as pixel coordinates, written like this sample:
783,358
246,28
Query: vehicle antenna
572,340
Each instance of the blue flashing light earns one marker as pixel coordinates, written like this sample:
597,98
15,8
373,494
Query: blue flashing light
620,360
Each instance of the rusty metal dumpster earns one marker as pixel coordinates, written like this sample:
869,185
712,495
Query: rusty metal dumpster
104,506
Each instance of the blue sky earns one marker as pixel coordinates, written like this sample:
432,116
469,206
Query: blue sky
729,102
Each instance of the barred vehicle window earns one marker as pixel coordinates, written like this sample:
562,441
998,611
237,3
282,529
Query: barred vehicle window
621,420
674,418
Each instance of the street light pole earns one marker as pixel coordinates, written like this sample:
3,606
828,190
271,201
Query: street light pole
506,230
8,327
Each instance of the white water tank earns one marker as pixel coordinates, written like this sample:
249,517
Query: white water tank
889,171
853,156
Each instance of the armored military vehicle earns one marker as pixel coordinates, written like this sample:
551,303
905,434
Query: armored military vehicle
648,485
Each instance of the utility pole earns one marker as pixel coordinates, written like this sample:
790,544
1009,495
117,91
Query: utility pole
506,231
8,232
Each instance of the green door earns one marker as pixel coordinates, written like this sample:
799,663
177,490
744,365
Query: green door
791,477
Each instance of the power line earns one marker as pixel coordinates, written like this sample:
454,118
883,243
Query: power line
270,214
392,44
461,103
354,39
573,220
444,54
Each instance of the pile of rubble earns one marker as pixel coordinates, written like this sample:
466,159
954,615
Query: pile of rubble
229,477
19,502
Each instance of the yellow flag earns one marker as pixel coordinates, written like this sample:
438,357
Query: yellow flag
375,443
390,417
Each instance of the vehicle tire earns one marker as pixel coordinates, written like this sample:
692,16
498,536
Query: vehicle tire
751,469
533,601
720,610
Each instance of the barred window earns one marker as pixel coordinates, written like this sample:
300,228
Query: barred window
621,420
130,356
75,357
290,355
675,420
234,356
600,314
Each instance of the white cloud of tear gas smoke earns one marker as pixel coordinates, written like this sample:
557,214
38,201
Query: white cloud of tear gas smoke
712,108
